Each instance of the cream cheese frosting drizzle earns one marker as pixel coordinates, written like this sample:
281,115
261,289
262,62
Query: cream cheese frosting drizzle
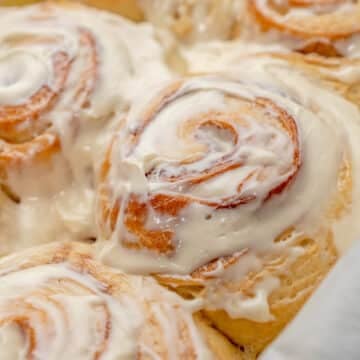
219,164
196,210
81,303
67,72
45,305
329,28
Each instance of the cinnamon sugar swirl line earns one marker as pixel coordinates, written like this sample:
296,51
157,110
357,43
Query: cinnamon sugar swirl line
341,75
25,127
221,187
67,72
157,178
60,64
57,302
319,37
329,28
193,21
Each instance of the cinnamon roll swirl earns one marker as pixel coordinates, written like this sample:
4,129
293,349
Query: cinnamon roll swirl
51,294
67,72
326,27
61,70
337,74
237,189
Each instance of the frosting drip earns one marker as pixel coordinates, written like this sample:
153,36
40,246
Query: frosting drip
67,72
329,28
217,165
50,302
45,306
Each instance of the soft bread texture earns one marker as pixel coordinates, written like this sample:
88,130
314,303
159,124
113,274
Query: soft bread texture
337,74
340,75
331,24
137,311
230,293
250,291
68,72
297,284
324,27
66,88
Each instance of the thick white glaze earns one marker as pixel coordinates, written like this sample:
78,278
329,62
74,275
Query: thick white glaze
320,125
69,313
329,128
30,38
321,20
325,122
216,56
73,314
120,61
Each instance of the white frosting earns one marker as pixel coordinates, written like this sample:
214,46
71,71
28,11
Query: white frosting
343,7
120,61
236,303
220,56
59,204
201,234
55,303
199,239
293,25
81,308
216,56
31,37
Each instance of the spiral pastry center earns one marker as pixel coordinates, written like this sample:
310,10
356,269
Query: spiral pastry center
252,139
45,70
318,22
40,320
20,73
202,153
58,303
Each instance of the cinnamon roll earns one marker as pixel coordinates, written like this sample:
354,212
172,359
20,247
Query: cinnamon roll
61,67
319,37
51,294
67,72
341,76
326,27
238,189
337,74
191,21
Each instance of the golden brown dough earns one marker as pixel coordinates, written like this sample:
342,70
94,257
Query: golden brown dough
201,205
65,59
337,74
50,294
326,27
